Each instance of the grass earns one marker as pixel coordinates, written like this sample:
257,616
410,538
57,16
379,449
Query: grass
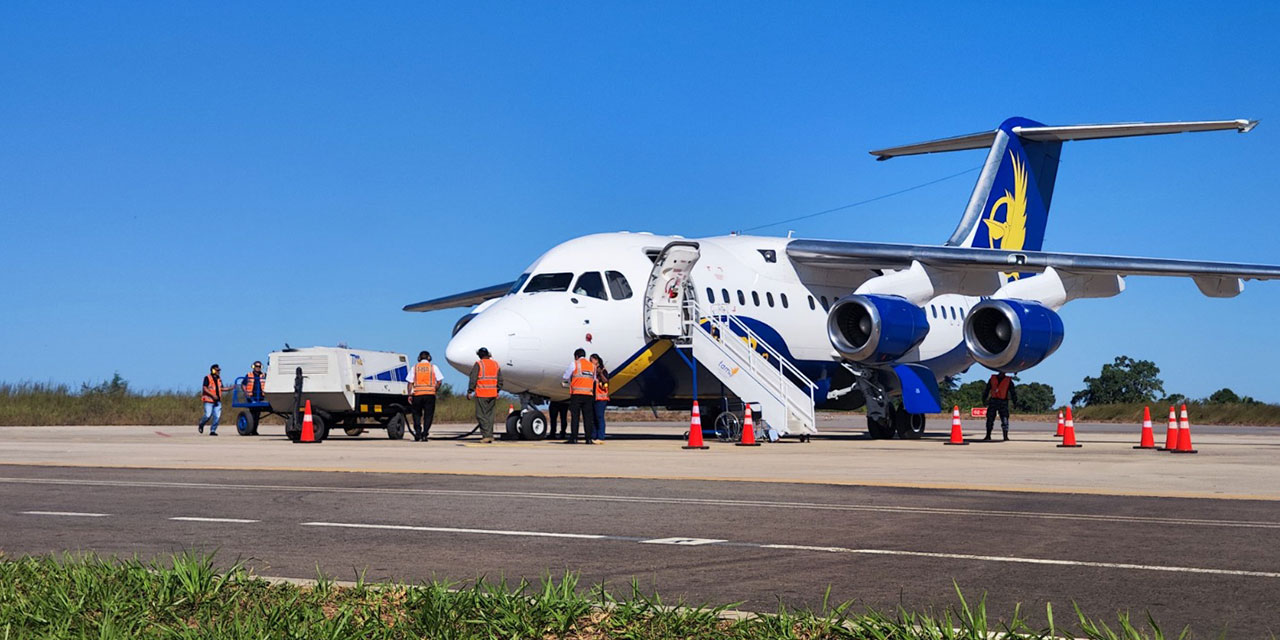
187,597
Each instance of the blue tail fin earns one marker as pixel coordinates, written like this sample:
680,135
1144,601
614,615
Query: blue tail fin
1010,204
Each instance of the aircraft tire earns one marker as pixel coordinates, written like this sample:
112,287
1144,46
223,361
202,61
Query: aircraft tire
910,426
533,425
513,426
879,430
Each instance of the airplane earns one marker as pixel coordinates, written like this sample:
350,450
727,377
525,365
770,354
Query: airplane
792,325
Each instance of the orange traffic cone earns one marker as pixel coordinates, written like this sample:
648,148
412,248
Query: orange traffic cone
1184,434
308,426
748,432
1148,437
1171,435
1060,425
957,431
1069,433
695,430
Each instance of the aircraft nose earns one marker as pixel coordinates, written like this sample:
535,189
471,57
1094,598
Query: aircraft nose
492,329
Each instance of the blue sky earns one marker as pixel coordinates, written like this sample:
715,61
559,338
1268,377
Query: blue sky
183,183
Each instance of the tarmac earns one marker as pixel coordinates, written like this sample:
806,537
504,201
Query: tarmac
1233,462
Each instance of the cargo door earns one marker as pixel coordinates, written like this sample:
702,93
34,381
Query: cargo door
668,285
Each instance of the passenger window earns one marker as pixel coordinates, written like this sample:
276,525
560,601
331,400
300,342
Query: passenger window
812,307
755,298
724,296
742,300
769,297
619,288
590,284
549,282
783,296
711,296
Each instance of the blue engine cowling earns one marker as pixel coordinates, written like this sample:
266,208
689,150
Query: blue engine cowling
875,329
1011,335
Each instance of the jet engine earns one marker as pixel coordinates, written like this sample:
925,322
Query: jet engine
874,329
1011,335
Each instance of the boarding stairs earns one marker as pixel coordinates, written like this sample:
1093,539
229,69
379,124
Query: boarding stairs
751,368
737,356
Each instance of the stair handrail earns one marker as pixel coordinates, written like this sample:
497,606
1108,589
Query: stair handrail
725,322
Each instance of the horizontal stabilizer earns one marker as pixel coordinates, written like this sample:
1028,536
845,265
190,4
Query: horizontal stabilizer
1063,134
458,300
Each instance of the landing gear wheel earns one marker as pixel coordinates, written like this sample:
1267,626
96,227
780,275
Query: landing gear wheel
910,426
533,425
353,431
879,430
246,424
513,426
395,426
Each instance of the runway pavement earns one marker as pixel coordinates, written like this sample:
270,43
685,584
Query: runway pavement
883,523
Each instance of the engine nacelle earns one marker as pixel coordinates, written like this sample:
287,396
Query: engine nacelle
1011,335
874,329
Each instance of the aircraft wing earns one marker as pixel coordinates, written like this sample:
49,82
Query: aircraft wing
1213,278
465,299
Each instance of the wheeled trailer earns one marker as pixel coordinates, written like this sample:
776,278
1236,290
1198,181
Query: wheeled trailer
350,389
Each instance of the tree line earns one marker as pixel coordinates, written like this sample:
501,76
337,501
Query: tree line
1123,381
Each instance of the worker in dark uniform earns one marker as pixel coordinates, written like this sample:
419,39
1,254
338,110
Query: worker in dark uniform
580,377
998,394
558,414
423,384
484,382
253,383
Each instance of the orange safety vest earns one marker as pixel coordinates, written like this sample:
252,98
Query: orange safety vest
999,388
212,389
602,390
250,379
583,380
424,379
487,378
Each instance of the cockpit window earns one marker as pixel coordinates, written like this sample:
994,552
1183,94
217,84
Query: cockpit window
619,288
549,282
515,287
590,284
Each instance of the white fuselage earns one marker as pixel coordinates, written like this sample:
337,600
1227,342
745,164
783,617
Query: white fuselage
533,335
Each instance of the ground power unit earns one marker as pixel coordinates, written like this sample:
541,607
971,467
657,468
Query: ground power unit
350,389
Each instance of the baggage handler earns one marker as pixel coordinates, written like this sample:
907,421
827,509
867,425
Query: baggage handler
602,395
422,395
998,394
485,381
581,380
211,396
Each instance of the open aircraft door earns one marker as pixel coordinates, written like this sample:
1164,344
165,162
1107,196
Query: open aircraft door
668,286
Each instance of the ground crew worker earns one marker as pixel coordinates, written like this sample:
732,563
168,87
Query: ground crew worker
254,381
422,395
998,394
558,413
485,381
581,380
211,396
602,395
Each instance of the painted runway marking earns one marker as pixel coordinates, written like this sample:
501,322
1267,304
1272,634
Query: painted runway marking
1041,561
692,542
753,504
493,532
76,514
200,519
